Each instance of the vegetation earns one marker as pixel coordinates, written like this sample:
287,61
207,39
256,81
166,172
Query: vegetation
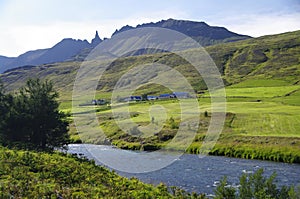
27,174
256,186
31,118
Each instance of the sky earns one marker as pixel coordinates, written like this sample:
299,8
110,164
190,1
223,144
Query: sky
36,24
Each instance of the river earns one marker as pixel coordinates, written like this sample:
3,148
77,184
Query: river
190,172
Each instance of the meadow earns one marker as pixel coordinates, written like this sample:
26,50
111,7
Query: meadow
262,122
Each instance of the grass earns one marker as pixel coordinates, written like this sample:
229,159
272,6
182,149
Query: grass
290,99
260,83
261,92
262,121
29,174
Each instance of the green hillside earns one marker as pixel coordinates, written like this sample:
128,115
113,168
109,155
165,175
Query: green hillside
267,57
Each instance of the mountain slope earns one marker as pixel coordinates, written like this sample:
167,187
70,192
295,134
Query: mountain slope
62,51
5,60
271,57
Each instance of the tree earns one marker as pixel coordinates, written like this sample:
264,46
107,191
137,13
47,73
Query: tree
35,119
5,104
3,108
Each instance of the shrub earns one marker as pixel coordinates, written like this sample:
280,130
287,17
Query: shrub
255,186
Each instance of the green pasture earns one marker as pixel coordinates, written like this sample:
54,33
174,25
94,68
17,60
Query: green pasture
256,113
261,92
250,83
259,110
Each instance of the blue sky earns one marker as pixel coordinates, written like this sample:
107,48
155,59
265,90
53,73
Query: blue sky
34,24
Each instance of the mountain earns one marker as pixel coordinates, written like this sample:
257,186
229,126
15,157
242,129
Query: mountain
273,57
71,49
62,51
203,33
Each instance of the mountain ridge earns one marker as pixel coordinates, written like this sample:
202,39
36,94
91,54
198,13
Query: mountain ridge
200,31
62,51
71,49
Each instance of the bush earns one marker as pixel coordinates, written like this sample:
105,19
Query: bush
255,186
173,124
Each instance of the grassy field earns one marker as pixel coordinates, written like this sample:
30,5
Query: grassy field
262,121
266,123
270,110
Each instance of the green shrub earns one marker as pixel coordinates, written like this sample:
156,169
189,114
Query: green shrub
255,186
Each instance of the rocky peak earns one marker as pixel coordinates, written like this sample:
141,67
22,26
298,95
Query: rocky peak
96,40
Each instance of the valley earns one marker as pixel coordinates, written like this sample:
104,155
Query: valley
165,109
262,82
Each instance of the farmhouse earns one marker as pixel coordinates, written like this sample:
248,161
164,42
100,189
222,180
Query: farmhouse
152,97
136,98
181,95
99,102
132,98
166,96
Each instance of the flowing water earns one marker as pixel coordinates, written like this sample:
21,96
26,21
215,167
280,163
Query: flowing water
190,172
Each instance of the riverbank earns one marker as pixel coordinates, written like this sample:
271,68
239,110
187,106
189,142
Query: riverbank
260,148
28,174
230,143
278,149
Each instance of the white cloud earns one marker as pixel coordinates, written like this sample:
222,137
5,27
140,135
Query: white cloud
262,24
